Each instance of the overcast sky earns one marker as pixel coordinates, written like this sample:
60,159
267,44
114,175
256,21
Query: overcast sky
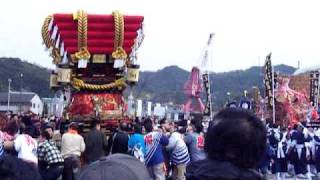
176,31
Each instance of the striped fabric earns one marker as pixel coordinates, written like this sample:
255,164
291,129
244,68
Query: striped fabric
180,156
179,149
1,148
151,147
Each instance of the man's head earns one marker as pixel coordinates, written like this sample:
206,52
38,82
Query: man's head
123,126
165,124
45,134
137,128
27,120
198,127
148,120
182,129
15,117
148,126
53,125
49,131
237,136
12,128
73,126
95,124
44,119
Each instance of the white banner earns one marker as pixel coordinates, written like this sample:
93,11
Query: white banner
139,108
149,108
176,117
159,111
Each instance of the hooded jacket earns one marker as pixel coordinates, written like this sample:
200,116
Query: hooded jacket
219,170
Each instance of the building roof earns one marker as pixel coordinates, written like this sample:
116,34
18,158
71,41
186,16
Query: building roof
17,97
306,70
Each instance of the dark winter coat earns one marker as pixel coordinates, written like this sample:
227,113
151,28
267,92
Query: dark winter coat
219,170
96,145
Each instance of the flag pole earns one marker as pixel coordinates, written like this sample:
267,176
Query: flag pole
209,88
318,91
206,78
273,99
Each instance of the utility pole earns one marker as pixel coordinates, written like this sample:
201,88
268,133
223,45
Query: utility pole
20,104
9,89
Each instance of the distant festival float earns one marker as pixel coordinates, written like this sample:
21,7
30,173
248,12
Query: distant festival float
199,81
286,99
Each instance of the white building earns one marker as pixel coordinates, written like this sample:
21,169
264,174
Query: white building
21,102
307,70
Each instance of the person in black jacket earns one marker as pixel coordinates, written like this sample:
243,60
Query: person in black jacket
96,143
29,127
234,143
118,142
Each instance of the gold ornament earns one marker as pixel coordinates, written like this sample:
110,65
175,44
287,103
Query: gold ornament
50,42
118,51
80,84
83,54
82,19
45,32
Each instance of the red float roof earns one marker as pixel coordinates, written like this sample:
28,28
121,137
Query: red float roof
100,34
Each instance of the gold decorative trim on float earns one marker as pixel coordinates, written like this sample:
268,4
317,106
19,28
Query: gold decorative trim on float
55,54
45,32
82,18
118,51
80,84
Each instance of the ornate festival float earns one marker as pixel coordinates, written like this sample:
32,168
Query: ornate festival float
289,99
95,58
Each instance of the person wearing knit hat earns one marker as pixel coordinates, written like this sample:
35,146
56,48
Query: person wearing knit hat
115,167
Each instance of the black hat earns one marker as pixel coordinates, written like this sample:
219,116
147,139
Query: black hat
116,167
